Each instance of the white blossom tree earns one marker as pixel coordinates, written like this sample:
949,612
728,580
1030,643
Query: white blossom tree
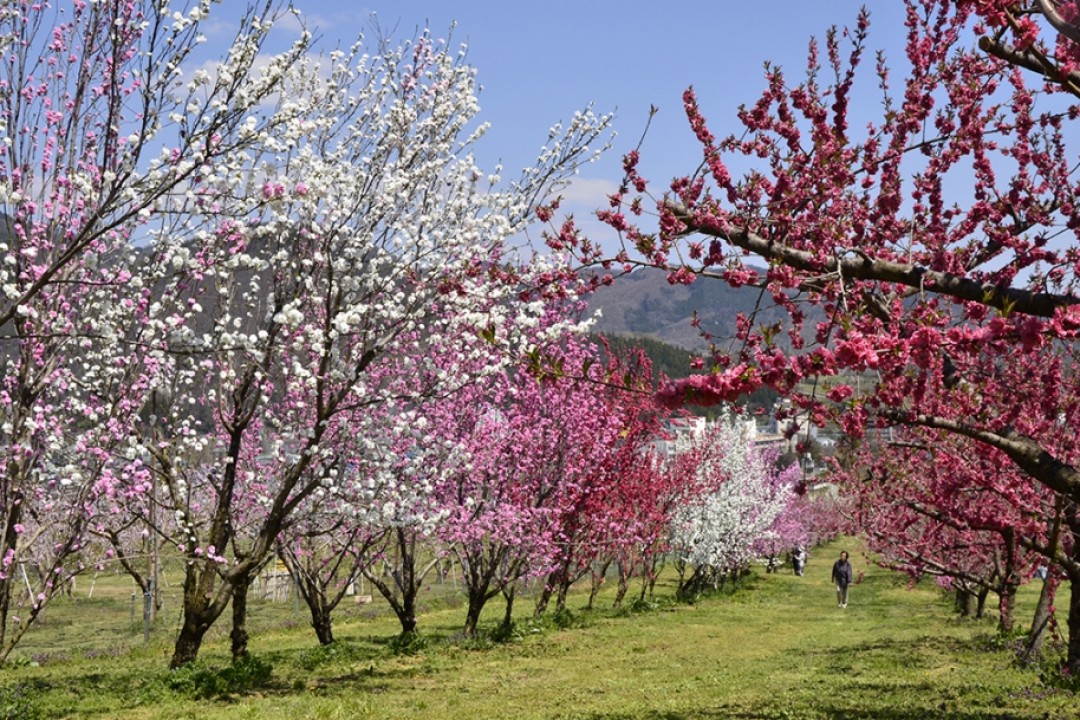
732,507
210,271
353,249
90,94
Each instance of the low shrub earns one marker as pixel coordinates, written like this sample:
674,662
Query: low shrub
1054,673
408,643
16,704
198,680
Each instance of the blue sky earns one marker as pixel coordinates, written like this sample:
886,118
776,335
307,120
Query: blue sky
539,62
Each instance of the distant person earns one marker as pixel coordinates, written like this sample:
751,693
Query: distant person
841,575
798,559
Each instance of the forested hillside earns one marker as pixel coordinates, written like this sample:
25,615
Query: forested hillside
671,361
644,303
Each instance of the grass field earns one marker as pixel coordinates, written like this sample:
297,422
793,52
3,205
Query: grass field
778,647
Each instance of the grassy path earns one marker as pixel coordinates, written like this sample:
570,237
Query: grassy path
777,649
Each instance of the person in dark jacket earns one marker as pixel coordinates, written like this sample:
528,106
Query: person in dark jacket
841,575
798,559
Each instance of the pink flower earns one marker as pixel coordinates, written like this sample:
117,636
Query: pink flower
273,191
840,393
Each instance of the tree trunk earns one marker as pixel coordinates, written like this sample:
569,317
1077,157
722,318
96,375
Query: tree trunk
1072,660
189,639
1010,581
980,605
544,598
965,601
485,574
598,576
1044,615
10,541
402,600
656,566
239,634
477,600
322,621
623,585
203,605
188,642
560,598
1043,620
407,616
1006,605
508,616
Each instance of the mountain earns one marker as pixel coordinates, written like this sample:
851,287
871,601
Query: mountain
643,310
645,304
673,362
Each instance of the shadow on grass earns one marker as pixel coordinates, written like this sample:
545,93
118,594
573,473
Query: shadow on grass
346,669
779,712
885,653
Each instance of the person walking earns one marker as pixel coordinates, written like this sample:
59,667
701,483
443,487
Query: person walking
841,575
798,559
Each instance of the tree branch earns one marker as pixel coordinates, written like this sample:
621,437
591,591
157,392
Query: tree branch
866,268
1049,9
1025,452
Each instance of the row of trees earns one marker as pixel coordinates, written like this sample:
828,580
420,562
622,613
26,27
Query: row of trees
271,308
984,532
927,260
225,289
551,481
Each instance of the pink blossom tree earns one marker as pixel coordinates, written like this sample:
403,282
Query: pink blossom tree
404,506
546,443
639,521
608,454
324,553
929,505
934,244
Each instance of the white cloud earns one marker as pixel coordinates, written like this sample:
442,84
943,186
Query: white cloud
588,193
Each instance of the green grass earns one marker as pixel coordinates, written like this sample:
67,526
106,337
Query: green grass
778,647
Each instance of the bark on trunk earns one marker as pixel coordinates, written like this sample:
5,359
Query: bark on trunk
322,621
189,639
965,601
188,642
1040,623
239,634
980,605
508,616
1006,607
477,600
621,588
203,605
656,566
401,598
543,600
11,538
1010,581
407,617
598,576
1072,661
560,599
